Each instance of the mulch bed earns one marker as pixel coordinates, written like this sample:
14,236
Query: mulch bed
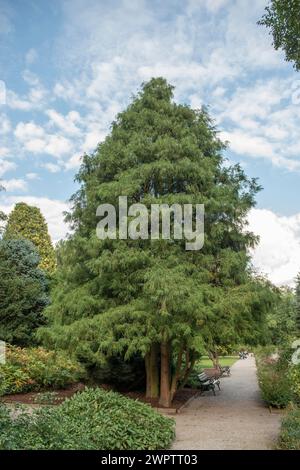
32,398
35,398
181,397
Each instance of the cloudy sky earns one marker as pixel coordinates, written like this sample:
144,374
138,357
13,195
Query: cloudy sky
70,65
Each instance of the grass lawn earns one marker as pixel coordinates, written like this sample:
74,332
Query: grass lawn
206,363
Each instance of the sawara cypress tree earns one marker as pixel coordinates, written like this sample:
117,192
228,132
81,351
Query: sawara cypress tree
151,298
27,222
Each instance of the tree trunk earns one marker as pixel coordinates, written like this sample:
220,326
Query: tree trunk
152,372
176,375
213,355
165,392
189,365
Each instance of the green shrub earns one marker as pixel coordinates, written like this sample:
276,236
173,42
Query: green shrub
93,419
294,376
289,438
274,384
36,369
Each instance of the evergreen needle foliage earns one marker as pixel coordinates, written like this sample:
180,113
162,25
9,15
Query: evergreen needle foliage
152,298
27,222
23,292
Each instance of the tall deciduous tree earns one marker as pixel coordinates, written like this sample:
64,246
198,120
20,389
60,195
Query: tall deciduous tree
282,17
27,222
151,297
23,292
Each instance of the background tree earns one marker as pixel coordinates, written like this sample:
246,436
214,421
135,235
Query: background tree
297,303
150,298
282,317
2,215
23,292
282,17
27,222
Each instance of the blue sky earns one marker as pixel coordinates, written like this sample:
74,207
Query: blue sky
70,65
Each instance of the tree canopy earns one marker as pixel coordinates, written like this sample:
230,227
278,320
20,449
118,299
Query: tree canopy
23,292
152,298
27,222
282,17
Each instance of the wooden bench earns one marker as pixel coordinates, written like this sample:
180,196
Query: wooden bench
208,383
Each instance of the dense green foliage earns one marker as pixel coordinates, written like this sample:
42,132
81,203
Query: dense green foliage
23,292
36,369
278,376
275,385
91,420
289,438
27,222
282,17
297,305
152,298
282,317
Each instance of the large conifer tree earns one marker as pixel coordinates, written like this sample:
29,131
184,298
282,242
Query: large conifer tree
152,297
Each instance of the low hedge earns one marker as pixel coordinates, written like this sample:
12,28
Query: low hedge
289,438
36,369
93,419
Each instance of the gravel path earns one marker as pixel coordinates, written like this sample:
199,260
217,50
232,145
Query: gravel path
234,419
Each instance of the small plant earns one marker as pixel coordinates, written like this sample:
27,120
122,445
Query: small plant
47,398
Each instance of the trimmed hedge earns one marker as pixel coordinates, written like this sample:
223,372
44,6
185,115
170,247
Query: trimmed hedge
93,419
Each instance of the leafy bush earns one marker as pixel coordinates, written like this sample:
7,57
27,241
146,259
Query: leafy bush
275,384
36,369
289,438
294,376
94,419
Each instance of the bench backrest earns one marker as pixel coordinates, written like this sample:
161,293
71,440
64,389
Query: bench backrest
203,376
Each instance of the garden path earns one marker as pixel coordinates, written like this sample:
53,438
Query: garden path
236,418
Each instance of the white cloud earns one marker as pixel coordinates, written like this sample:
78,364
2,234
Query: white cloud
28,130
5,125
52,167
14,184
58,146
51,209
32,176
6,165
36,140
66,123
278,252
74,162
5,20
4,151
